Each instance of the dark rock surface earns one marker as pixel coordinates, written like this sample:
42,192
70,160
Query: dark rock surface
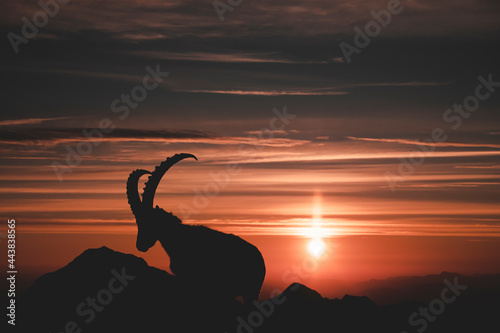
106,291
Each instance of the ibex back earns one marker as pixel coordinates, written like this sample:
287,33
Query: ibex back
200,256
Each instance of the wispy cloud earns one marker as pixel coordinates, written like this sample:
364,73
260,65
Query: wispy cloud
338,59
262,57
29,121
284,88
304,92
59,135
51,137
402,84
146,20
477,166
432,144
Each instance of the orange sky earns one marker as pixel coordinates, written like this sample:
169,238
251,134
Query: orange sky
336,169
437,219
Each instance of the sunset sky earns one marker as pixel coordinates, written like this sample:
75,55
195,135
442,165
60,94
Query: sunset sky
336,169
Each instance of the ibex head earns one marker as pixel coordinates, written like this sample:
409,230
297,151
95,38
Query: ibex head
146,216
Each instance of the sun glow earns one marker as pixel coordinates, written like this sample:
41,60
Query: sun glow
316,247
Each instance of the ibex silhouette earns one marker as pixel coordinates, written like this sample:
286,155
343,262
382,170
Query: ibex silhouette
198,255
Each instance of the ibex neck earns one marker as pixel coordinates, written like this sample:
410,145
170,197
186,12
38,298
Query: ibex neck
170,235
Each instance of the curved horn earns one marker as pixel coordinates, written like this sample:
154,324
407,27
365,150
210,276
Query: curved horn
154,179
132,192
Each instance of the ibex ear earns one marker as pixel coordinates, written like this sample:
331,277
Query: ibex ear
169,216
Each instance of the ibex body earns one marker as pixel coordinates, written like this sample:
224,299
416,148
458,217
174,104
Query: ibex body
200,256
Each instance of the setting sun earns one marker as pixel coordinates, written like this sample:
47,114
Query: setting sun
316,247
